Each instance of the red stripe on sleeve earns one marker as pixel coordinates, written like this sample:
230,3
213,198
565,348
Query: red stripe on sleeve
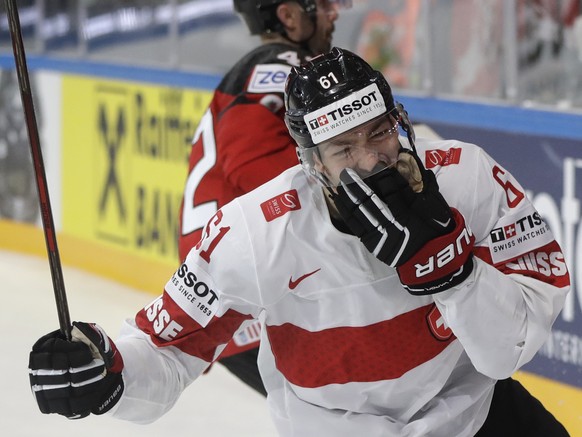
189,336
545,264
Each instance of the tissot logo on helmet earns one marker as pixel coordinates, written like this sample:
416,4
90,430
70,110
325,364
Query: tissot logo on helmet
345,114
321,121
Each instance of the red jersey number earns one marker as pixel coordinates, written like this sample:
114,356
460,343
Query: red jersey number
212,236
512,193
291,57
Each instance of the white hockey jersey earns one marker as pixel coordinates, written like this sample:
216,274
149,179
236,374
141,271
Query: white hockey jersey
345,350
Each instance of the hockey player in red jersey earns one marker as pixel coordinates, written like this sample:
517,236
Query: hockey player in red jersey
400,282
241,141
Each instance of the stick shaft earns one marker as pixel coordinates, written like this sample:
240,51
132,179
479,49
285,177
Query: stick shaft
39,172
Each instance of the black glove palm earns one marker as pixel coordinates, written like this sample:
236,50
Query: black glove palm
399,211
78,377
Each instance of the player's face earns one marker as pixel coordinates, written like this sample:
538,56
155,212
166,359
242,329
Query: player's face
321,39
367,149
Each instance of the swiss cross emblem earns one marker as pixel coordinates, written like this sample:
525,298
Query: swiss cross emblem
437,325
322,120
509,231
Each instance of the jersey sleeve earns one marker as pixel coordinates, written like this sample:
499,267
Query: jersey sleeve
504,311
176,337
258,146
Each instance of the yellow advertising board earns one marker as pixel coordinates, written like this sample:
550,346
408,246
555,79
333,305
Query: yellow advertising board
125,148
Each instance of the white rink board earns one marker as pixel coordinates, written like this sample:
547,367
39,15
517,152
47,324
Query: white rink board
216,405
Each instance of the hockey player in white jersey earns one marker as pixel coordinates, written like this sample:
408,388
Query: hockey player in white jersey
400,283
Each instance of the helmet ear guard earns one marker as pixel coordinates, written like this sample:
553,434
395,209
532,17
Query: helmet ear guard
406,125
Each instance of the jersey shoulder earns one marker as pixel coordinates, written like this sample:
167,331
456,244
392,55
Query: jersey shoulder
465,178
248,235
291,180
476,184
437,154
263,70
270,208
450,159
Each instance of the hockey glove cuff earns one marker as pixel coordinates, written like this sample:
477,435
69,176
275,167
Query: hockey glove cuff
442,263
78,377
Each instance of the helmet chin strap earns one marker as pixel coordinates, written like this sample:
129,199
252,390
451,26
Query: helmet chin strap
406,125
329,196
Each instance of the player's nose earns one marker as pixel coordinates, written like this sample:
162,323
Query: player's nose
367,161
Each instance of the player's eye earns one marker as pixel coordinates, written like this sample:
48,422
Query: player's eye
342,152
378,135
383,131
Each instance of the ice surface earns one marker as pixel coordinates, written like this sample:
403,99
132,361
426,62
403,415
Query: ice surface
216,405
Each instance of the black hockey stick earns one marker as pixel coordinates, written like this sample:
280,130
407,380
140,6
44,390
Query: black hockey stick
41,183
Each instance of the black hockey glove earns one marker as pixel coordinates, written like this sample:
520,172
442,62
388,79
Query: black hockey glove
402,218
78,377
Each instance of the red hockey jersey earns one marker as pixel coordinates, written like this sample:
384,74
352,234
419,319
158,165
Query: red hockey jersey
241,141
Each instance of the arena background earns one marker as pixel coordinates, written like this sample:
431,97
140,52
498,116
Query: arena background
117,105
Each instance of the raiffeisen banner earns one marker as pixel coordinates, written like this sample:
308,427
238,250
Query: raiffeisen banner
125,154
